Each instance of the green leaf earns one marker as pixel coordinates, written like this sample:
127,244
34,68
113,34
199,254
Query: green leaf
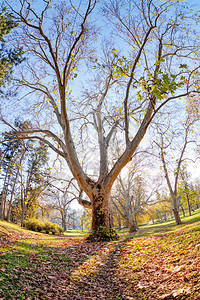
183,66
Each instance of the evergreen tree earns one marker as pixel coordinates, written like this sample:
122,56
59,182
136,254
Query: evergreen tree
9,57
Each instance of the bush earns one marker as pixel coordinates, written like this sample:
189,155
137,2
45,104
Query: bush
60,230
57,229
33,224
47,227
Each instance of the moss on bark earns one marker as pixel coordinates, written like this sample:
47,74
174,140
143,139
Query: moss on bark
102,235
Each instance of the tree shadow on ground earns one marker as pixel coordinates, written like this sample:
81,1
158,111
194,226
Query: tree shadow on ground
40,268
154,273
48,267
97,279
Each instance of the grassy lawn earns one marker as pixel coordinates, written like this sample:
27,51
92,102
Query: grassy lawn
160,261
76,233
159,228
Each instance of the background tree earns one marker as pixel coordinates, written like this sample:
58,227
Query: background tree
131,84
12,151
130,196
160,209
24,173
86,219
59,200
186,190
172,146
35,182
118,220
196,194
8,57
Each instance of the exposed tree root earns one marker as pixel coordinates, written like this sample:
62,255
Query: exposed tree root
103,235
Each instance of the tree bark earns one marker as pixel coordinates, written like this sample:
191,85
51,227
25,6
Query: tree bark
119,223
13,188
189,206
132,226
101,213
11,197
183,210
102,221
23,209
63,216
176,212
3,197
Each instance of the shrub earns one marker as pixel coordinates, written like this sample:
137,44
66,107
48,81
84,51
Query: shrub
33,224
56,229
47,227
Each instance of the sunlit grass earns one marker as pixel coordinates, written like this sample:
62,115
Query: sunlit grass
161,228
6,227
76,233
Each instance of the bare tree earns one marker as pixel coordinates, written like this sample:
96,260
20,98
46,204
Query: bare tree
132,84
60,199
14,185
130,195
178,141
185,188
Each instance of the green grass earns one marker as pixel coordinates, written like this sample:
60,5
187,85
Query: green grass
6,228
144,231
76,233
12,263
164,227
29,263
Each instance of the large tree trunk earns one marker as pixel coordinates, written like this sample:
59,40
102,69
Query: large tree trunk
132,226
175,211
101,214
64,225
102,221
63,215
